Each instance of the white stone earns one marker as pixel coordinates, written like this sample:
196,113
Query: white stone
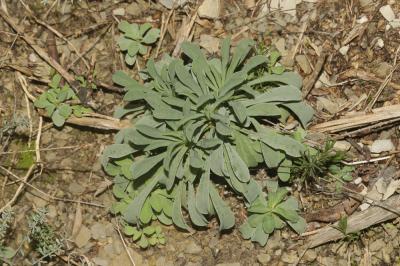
362,20
210,43
387,12
344,49
210,9
381,145
172,3
83,237
395,23
342,145
119,12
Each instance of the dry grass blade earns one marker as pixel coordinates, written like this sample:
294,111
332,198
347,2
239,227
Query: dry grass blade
42,53
359,119
358,221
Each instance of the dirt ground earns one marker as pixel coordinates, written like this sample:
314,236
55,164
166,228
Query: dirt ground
346,51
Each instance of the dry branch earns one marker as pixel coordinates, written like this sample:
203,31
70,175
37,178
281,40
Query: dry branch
358,221
41,52
360,119
366,76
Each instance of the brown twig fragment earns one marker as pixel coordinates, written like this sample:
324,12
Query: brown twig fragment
184,33
385,82
358,221
354,120
366,76
317,70
43,54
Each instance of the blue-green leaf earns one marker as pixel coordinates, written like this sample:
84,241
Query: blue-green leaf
196,217
225,214
146,165
132,212
177,216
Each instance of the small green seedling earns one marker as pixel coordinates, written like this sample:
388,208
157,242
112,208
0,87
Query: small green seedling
271,213
57,101
342,227
136,39
85,83
146,236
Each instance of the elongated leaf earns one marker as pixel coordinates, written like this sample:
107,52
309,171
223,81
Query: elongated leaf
156,144
146,213
284,170
132,212
247,231
146,165
290,204
217,162
253,191
167,114
225,45
299,226
117,150
260,236
203,191
194,52
122,79
240,53
258,207
176,162
149,131
281,142
151,68
239,111
287,214
302,111
196,160
263,109
238,166
156,201
286,93
289,78
164,219
246,149
177,216
225,215
196,217
185,77
174,101
223,129
272,157
254,62
209,143
232,83
268,223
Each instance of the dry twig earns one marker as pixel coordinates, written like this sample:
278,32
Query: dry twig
358,221
42,53
360,119
317,70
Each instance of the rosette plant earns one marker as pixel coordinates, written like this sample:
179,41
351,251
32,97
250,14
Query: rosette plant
196,123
